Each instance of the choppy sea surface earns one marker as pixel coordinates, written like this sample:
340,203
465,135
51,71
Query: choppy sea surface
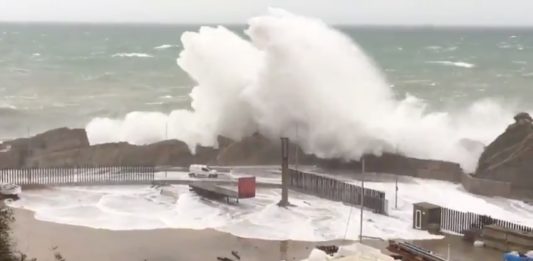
54,75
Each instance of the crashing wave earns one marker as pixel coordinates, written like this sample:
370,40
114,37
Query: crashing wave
297,77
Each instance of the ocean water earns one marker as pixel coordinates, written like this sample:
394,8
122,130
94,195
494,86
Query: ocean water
54,75
64,75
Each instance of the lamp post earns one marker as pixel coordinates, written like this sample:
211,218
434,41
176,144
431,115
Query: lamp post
166,138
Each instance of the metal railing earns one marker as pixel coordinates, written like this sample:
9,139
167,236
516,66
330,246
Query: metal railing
79,176
331,188
461,222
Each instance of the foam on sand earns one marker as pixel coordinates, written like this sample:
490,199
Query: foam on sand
311,218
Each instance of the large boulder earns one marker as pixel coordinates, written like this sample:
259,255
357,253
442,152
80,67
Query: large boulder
16,153
510,157
53,140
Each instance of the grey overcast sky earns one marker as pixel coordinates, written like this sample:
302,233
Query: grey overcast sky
368,12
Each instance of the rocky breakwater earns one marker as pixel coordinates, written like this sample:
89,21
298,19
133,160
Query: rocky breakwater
70,148
509,157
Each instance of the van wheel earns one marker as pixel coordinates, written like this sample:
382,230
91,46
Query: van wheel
191,175
213,176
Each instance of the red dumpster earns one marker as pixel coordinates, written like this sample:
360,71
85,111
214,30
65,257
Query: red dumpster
246,187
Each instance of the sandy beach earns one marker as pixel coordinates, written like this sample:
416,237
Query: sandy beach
37,239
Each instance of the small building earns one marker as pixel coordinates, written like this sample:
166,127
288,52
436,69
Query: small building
426,216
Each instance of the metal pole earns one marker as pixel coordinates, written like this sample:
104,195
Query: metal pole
166,129
396,195
166,138
284,172
296,149
396,186
362,197
29,152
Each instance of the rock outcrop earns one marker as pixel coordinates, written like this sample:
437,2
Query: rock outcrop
510,157
258,150
255,148
17,153
398,164
70,148
53,140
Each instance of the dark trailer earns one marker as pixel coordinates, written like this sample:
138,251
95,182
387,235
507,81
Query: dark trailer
209,189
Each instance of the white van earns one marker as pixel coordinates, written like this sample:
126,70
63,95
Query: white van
202,171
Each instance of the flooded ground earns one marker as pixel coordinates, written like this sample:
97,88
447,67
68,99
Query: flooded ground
453,247
460,250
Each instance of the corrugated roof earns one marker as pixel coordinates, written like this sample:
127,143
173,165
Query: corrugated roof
426,205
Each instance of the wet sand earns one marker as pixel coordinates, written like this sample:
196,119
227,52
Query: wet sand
460,250
38,238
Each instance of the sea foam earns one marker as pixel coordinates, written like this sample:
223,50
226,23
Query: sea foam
309,219
165,46
456,64
139,55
